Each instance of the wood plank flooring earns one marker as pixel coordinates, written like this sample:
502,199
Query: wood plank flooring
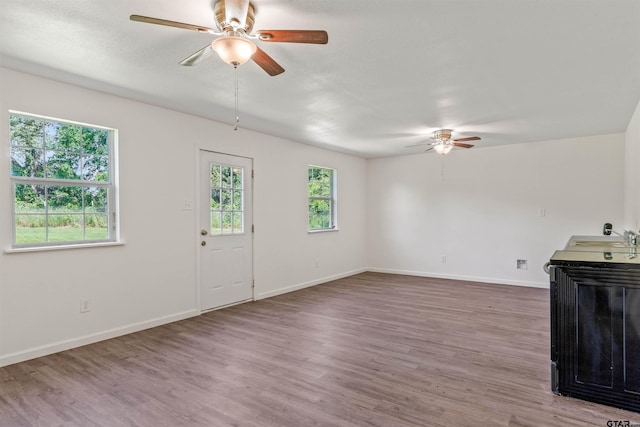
368,350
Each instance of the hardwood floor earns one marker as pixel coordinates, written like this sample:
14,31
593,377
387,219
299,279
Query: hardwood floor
368,350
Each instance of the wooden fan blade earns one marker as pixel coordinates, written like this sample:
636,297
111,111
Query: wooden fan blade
294,36
197,56
267,63
422,144
461,145
471,138
158,21
236,10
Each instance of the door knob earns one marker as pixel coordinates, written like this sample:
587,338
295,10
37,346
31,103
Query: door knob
203,232
203,243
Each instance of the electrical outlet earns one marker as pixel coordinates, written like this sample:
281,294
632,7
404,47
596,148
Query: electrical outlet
85,307
443,259
521,264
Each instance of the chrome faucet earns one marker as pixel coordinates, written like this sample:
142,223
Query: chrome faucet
632,241
630,236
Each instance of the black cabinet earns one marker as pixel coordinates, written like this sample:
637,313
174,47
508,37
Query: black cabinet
595,333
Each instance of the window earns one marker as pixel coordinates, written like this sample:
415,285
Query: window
62,174
322,198
226,199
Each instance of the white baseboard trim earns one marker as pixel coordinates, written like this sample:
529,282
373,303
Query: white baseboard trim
45,350
528,284
287,289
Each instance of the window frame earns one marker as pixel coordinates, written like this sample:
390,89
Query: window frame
111,186
233,190
332,199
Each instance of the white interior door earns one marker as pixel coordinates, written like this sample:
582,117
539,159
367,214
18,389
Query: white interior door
226,251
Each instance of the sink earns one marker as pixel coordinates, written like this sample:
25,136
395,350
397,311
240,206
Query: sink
596,243
599,244
599,249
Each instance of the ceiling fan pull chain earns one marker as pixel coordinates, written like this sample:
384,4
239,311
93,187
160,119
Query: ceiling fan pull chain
236,94
442,168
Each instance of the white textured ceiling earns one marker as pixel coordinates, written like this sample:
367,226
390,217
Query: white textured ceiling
393,71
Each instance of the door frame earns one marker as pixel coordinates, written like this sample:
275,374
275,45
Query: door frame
196,229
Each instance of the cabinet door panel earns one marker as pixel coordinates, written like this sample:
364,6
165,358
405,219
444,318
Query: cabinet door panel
595,338
632,339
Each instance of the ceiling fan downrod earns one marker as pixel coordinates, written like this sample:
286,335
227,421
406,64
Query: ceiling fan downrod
235,67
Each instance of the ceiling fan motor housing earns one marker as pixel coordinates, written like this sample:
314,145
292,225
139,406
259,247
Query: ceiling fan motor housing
233,23
442,135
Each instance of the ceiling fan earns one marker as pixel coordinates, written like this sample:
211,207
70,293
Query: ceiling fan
443,142
234,22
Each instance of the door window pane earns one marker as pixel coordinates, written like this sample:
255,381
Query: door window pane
226,223
216,223
227,205
237,178
226,176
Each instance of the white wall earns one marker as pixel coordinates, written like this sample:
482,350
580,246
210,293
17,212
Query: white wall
632,173
152,278
485,214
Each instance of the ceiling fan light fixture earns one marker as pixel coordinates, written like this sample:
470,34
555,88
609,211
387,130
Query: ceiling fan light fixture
442,148
234,50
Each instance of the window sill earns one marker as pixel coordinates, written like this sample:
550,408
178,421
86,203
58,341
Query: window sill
324,230
62,247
